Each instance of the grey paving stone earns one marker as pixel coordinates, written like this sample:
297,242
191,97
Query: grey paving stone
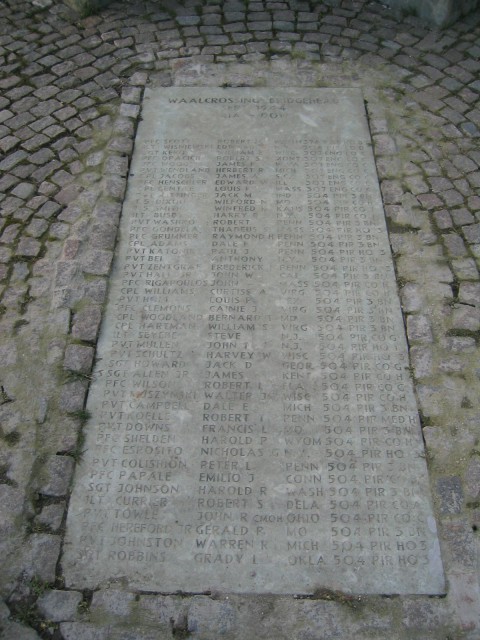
454,244
460,545
426,615
458,344
277,46
116,164
11,629
49,209
430,200
216,616
113,601
37,228
42,553
443,219
46,170
72,396
86,323
130,110
8,142
466,318
84,631
5,254
96,291
472,233
419,329
51,516
11,505
412,298
465,269
469,293
450,492
28,248
97,262
35,142
10,234
58,471
78,358
422,362
462,216
131,94
68,194
392,191
474,203
472,479
59,606
12,160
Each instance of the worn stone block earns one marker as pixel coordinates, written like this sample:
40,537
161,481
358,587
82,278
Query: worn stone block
419,329
472,478
422,361
72,396
469,293
78,358
42,552
51,516
458,538
58,472
59,606
466,318
451,495
97,262
210,616
112,602
86,323
84,631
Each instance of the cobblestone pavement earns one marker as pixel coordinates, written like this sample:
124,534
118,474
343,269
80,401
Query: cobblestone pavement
70,96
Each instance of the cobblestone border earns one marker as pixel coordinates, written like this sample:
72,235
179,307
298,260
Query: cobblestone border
71,94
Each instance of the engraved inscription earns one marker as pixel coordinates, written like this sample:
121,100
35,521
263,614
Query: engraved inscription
253,422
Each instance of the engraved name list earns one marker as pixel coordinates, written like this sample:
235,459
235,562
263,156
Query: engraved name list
253,427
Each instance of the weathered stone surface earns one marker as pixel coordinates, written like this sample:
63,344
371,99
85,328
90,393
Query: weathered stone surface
460,543
451,495
51,516
470,293
11,629
419,329
72,399
58,472
465,593
86,323
466,318
254,324
11,506
472,478
361,44
78,358
43,550
84,631
218,617
59,606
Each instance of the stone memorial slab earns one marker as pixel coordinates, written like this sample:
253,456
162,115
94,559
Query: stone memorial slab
253,426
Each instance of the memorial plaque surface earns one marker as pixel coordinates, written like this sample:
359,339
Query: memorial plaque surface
253,423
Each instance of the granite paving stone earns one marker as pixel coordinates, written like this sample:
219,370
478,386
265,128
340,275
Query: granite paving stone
58,474
59,606
51,516
472,233
466,318
71,98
